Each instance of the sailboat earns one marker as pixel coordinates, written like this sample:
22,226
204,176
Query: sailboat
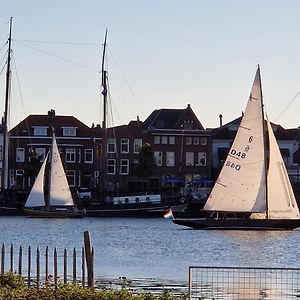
253,190
57,202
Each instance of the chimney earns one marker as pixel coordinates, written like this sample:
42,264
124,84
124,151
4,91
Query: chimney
51,113
221,120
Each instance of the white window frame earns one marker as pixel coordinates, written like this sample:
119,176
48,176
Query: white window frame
189,159
124,163
137,145
70,155
20,154
202,155
111,163
124,145
188,140
156,139
196,140
170,159
69,131
203,141
86,153
71,176
40,130
172,140
111,145
158,155
164,140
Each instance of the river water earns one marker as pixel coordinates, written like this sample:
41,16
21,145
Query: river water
155,248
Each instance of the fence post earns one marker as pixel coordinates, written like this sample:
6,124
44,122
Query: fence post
37,267
20,260
190,283
29,265
65,266
82,267
46,266
55,268
88,256
11,258
2,259
74,265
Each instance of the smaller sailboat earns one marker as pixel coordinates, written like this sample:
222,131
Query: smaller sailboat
253,190
56,201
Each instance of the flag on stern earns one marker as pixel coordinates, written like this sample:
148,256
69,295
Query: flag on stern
168,214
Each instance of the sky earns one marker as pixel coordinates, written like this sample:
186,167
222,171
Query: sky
161,54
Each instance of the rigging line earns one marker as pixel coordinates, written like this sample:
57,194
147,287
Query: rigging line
59,57
127,83
287,106
59,42
4,65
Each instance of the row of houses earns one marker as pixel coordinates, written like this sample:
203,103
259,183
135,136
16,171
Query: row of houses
182,148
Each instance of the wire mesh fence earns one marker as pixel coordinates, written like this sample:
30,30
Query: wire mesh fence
240,283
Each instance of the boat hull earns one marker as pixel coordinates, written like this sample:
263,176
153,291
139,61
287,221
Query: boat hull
238,224
57,214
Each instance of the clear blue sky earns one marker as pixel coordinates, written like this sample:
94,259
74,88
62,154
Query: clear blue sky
170,53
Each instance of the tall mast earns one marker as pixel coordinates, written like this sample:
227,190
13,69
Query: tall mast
265,142
104,93
4,183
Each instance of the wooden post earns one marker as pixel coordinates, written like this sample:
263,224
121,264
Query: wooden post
88,257
65,266
46,266
92,265
37,267
20,260
11,258
82,267
2,259
29,265
55,268
74,265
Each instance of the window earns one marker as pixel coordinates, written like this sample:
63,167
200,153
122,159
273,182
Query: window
188,125
40,130
20,155
203,141
111,166
189,158
124,167
70,155
40,152
164,140
201,159
158,157
188,140
20,179
124,145
196,140
69,131
111,145
88,156
156,139
137,144
172,140
71,178
11,178
170,159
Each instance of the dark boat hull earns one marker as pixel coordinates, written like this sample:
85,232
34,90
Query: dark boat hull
57,214
238,224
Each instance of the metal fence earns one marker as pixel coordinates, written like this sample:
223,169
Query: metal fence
237,283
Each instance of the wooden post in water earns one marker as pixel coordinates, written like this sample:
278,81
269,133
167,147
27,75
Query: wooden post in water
11,258
29,265
65,266
46,266
55,268
20,260
74,265
82,267
88,257
2,259
37,267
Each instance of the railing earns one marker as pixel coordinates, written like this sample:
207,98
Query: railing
48,267
237,283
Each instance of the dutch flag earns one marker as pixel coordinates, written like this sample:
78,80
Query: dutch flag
168,214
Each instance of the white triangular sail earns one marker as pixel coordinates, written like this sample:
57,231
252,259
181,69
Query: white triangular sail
36,197
60,194
241,185
281,199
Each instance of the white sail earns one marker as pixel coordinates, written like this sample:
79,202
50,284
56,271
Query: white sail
241,185
36,197
60,194
281,200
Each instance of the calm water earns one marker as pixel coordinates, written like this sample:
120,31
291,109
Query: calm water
144,248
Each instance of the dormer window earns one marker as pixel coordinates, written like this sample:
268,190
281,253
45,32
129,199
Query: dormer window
69,131
40,130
